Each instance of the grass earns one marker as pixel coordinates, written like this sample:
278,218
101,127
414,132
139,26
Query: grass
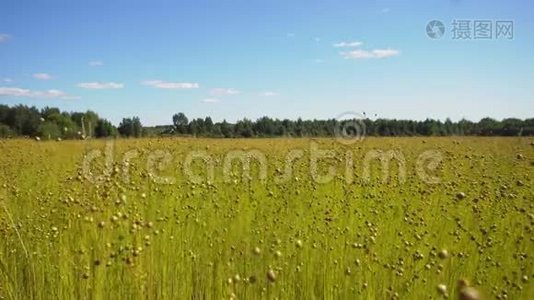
66,235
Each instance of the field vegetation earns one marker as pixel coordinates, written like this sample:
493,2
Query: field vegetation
180,218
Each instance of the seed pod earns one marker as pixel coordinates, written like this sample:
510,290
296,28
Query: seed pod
271,275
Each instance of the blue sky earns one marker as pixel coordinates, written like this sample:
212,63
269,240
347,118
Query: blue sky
286,59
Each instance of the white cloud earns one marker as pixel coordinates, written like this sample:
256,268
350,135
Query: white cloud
347,44
268,94
210,100
58,94
100,85
4,37
42,76
7,80
160,84
17,92
20,92
96,63
224,92
365,54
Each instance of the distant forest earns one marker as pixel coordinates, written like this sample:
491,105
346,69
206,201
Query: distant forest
52,123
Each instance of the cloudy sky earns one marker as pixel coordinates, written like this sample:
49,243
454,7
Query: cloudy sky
286,59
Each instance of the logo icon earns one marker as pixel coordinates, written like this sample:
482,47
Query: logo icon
435,29
349,128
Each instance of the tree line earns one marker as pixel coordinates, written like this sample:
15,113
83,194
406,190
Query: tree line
269,127
52,123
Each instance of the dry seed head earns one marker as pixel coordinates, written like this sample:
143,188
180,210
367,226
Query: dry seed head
443,254
442,289
271,275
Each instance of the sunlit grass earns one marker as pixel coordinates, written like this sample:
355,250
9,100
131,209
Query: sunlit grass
63,236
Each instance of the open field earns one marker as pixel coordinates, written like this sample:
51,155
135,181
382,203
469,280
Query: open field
177,219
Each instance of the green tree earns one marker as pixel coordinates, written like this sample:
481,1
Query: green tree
126,127
180,122
104,128
49,130
131,127
208,126
24,120
226,129
5,131
137,127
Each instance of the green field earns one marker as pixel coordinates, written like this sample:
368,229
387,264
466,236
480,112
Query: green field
176,219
